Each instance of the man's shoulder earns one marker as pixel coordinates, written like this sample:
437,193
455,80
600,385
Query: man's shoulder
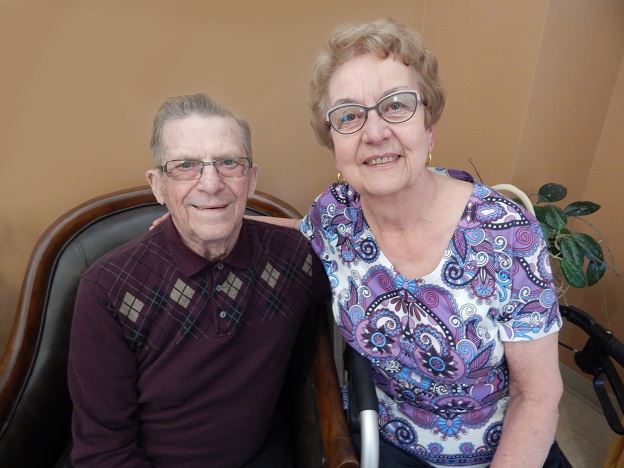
289,251
257,226
273,237
149,244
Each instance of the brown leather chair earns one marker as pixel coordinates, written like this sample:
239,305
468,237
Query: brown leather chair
35,408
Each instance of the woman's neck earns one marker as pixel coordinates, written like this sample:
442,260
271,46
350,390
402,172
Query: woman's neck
385,213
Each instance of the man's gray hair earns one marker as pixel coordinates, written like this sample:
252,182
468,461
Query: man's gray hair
181,107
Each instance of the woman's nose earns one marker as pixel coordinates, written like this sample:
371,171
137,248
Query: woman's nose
375,128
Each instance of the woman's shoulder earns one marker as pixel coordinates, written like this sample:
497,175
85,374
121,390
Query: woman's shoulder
337,196
338,205
456,174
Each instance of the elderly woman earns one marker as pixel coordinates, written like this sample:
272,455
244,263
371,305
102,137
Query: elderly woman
442,283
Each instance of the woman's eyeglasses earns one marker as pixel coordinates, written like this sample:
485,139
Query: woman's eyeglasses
394,108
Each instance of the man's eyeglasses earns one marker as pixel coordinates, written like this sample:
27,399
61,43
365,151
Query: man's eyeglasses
190,169
394,108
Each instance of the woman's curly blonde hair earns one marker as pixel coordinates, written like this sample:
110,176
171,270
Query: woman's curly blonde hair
383,38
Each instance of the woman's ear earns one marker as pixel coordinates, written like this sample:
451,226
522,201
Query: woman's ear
431,137
153,177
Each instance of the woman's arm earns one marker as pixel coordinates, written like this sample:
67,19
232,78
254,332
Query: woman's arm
288,222
535,389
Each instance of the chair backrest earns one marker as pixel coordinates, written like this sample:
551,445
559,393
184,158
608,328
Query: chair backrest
35,408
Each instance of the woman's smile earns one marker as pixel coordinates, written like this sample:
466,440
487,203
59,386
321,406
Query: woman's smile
382,160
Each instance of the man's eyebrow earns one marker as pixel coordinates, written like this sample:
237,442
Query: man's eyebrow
187,156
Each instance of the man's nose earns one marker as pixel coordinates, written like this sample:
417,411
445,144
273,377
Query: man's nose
209,176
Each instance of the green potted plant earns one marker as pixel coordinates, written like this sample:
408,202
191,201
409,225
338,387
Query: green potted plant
579,255
578,258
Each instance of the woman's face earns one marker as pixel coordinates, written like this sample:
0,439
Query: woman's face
382,158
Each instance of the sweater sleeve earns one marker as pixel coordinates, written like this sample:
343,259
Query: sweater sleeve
102,379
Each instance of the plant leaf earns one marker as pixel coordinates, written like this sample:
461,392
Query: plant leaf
555,217
551,193
547,230
581,208
540,213
595,271
572,252
549,237
591,246
573,274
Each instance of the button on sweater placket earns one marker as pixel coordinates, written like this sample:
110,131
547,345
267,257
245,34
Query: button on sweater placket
221,315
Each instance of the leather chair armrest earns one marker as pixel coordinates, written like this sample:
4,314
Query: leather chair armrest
336,437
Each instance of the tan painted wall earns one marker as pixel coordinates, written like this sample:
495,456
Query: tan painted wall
536,94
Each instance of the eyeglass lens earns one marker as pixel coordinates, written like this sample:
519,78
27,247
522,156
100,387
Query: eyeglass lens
191,170
394,108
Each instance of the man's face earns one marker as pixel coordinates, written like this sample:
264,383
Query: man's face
208,212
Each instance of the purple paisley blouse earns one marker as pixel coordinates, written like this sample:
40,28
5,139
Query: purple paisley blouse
436,342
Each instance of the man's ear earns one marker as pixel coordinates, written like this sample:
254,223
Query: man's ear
253,178
153,177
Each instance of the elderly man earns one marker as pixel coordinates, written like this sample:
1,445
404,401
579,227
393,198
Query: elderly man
181,338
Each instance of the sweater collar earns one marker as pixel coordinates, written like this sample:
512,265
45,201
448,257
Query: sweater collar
191,263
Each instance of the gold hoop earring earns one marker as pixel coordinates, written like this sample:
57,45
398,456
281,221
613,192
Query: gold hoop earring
340,179
428,160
